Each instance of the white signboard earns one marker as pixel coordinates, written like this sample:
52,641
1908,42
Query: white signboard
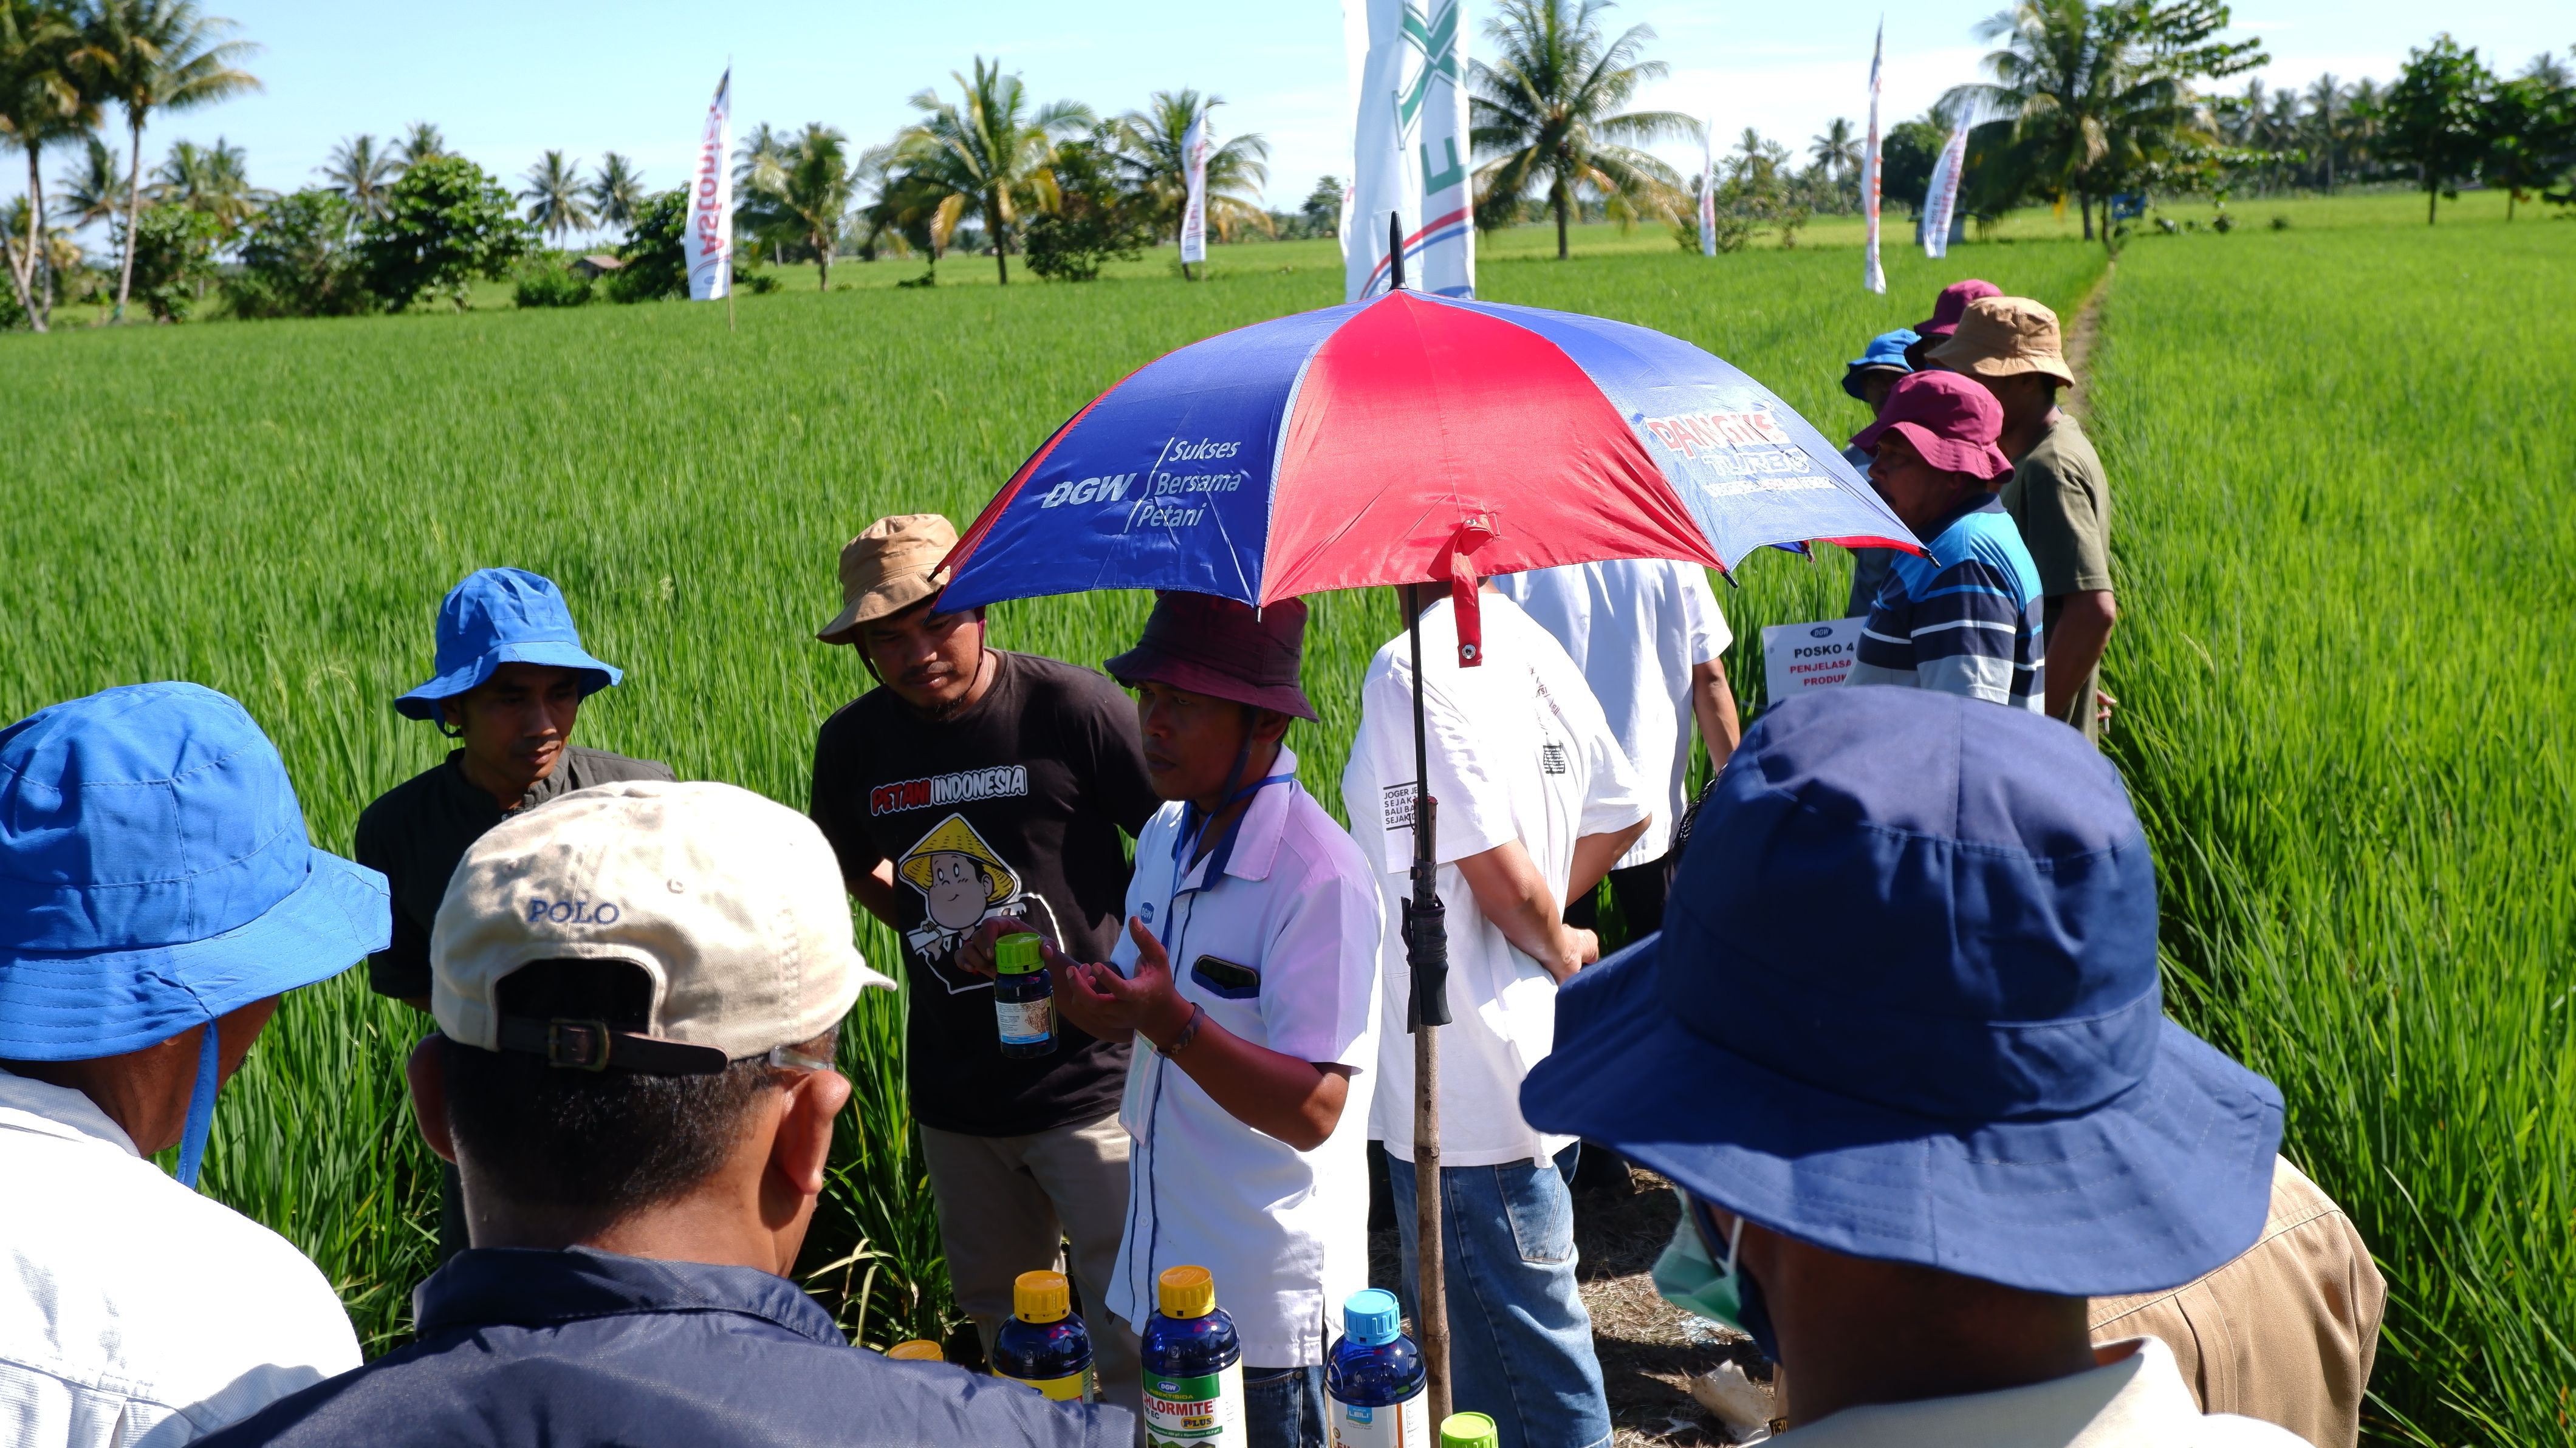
1802,656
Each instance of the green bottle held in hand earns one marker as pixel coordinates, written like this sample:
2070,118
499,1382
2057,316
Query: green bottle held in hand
1023,995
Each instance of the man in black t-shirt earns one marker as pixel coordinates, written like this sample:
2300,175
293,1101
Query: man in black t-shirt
971,785
507,684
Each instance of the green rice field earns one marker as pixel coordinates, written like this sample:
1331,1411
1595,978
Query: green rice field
2342,456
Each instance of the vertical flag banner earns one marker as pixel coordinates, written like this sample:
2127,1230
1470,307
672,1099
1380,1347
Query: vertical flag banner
1873,277
1708,188
1408,68
711,202
1941,198
1194,154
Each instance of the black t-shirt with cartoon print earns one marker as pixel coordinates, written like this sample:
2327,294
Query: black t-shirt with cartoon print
1010,807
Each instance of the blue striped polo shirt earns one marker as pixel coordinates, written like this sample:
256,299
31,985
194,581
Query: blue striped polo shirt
1964,619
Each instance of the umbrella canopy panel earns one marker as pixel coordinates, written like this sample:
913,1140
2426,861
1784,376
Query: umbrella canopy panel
1348,446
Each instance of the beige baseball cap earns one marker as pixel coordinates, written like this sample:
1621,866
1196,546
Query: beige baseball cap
732,903
2003,337
888,568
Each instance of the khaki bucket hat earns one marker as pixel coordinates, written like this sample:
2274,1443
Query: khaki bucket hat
2004,337
888,568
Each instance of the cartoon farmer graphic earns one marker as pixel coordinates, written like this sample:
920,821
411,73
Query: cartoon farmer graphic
963,883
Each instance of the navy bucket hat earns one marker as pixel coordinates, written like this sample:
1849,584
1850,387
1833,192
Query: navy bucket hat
502,616
155,876
1905,1007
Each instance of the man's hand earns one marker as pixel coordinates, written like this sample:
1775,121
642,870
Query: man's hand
975,951
1114,1007
1585,944
2102,700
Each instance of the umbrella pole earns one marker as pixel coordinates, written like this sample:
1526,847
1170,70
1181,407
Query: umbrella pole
1426,954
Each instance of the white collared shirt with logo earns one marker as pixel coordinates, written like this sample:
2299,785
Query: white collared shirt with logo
2135,1399
1518,750
1284,1232
1635,627
134,1312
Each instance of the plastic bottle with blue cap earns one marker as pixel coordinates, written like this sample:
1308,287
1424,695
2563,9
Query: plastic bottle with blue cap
1374,1378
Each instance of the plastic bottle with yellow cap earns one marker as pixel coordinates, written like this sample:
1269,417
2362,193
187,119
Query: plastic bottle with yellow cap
1045,1346
1469,1430
1193,1366
917,1350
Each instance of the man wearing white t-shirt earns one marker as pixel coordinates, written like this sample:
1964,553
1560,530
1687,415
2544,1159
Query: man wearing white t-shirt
1248,978
1648,637
1536,799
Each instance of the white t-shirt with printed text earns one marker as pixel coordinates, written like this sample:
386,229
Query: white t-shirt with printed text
1284,1232
1635,627
1518,750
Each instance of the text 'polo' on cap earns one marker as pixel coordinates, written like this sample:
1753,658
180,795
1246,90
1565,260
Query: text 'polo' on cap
733,904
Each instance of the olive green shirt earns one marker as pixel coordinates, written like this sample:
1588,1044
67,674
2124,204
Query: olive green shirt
2061,501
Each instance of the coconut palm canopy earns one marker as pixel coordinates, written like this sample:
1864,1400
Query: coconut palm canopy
1151,157
149,56
617,192
987,152
1549,111
557,200
801,190
359,172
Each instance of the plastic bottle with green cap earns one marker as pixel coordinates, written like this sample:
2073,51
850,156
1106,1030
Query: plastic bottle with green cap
1470,1430
1193,1366
1023,996
1045,1346
1374,1378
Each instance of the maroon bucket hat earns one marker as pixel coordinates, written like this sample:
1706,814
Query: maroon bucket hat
1952,305
1951,420
1223,649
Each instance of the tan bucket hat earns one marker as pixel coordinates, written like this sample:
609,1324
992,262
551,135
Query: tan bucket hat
888,568
731,903
2004,337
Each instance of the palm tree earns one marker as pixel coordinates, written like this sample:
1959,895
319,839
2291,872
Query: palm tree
1548,112
805,189
557,201
360,174
988,151
1148,146
762,142
92,189
42,101
1837,151
617,192
214,180
421,143
158,55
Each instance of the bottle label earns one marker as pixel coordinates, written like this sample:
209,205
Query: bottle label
1388,1425
1026,1023
1195,1412
1071,1388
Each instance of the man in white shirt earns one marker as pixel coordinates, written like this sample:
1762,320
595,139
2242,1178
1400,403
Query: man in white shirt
1535,799
1902,1050
1649,638
1248,978
157,895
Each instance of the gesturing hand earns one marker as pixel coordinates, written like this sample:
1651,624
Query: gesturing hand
1112,1006
975,950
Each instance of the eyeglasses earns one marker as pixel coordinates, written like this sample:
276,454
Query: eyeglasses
788,1058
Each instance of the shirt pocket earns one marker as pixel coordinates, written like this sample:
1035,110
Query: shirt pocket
1226,980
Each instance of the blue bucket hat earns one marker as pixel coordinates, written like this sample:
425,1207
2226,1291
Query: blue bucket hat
1905,1007
1886,351
502,616
154,876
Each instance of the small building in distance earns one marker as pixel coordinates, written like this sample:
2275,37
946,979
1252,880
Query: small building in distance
596,265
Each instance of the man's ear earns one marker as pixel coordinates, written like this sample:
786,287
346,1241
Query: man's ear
427,1073
1269,726
801,1152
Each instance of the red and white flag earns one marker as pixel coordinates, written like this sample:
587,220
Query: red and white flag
1873,277
1194,154
710,240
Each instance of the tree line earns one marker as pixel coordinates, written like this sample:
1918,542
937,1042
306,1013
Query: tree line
2082,101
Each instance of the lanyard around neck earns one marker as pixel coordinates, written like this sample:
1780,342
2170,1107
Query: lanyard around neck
1193,824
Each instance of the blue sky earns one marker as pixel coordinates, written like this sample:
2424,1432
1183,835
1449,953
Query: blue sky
506,81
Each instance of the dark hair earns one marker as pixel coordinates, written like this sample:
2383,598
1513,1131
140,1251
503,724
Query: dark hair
609,1142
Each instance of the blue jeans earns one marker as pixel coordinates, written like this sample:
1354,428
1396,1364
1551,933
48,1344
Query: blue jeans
1520,1343
1283,1407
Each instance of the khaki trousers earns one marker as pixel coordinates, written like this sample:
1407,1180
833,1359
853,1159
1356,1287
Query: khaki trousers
1009,1204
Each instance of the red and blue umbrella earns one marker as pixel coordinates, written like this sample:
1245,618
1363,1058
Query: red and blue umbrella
1407,439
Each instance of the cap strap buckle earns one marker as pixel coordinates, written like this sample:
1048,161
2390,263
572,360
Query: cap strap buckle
579,1045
